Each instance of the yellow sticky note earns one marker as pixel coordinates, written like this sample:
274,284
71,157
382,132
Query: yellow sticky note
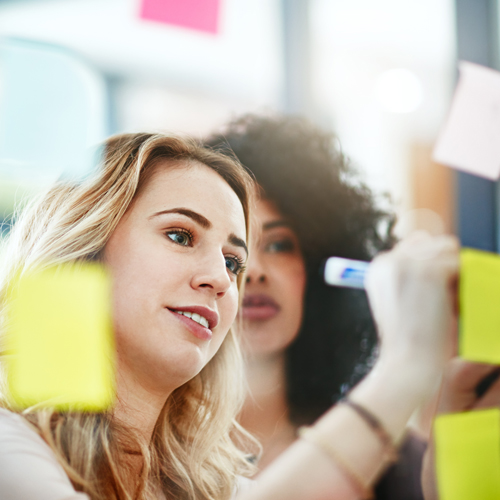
480,306
59,342
468,455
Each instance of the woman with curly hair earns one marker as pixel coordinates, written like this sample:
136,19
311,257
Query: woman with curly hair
306,343
169,220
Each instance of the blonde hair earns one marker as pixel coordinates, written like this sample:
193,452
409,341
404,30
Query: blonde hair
195,448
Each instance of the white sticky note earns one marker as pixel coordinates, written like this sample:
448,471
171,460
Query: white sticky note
470,139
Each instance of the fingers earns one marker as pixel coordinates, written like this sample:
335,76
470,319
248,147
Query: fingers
466,375
421,246
422,239
461,381
491,397
413,292
421,258
410,293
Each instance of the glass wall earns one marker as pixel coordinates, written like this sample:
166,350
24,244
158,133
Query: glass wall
381,76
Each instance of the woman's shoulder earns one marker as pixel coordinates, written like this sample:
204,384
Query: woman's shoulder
14,429
242,484
28,467
16,434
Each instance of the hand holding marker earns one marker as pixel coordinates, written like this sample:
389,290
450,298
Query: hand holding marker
480,271
465,145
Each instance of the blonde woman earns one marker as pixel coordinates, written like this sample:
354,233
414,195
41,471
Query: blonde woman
170,221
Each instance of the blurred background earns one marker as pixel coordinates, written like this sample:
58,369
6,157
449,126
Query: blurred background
380,73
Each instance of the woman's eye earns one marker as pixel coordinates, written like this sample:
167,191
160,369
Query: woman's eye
287,245
234,265
180,237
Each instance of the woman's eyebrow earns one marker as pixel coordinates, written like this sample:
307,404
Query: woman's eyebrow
238,242
203,222
275,223
198,218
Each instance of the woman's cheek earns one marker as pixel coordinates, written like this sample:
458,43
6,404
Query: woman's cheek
231,306
294,274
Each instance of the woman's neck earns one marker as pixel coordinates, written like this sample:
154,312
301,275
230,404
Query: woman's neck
265,412
138,408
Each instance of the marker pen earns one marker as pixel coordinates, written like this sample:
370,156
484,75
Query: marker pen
345,272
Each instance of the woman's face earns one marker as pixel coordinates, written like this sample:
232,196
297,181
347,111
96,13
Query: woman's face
274,293
174,258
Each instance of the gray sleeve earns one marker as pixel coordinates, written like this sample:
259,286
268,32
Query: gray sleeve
28,467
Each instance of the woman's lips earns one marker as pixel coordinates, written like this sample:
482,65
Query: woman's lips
259,307
195,328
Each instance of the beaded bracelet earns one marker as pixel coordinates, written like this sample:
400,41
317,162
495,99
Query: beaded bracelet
376,426
311,435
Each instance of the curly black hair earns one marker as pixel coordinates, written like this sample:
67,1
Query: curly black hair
303,171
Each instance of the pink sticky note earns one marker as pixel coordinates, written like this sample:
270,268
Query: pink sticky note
470,139
202,15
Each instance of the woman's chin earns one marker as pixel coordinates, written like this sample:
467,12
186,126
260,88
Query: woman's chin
161,375
182,370
266,341
263,350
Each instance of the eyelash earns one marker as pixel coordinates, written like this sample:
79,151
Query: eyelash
240,264
240,267
186,232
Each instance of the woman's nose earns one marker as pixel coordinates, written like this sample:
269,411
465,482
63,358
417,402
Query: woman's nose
255,271
256,279
213,276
